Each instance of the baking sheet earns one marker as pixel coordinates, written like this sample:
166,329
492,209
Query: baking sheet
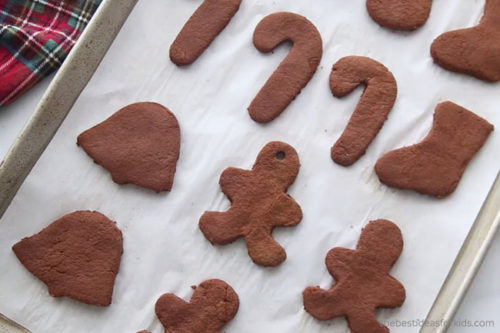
163,249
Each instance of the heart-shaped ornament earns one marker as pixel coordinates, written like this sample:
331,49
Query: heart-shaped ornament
213,304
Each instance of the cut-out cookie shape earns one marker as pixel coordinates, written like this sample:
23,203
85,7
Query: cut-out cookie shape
295,71
138,145
201,29
474,51
258,204
371,112
77,256
399,14
435,165
363,282
213,304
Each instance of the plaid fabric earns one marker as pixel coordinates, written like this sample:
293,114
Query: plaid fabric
35,37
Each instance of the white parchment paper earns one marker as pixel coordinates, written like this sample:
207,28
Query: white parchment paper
164,251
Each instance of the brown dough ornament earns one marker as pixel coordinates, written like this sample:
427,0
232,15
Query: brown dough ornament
258,204
77,256
213,304
371,112
295,70
363,282
201,29
474,51
399,14
138,145
435,165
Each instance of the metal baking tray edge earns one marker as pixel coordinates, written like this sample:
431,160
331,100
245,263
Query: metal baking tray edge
466,265
55,104
74,75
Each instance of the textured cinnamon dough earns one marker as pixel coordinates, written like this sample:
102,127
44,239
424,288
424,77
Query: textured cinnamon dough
435,165
201,29
399,14
77,256
258,204
363,282
473,51
371,112
139,145
213,304
295,71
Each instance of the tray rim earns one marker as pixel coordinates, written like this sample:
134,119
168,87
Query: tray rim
466,264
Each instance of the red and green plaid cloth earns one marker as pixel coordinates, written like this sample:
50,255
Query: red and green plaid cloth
35,37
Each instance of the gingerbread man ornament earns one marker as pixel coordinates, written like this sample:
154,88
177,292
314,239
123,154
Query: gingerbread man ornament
363,282
259,204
